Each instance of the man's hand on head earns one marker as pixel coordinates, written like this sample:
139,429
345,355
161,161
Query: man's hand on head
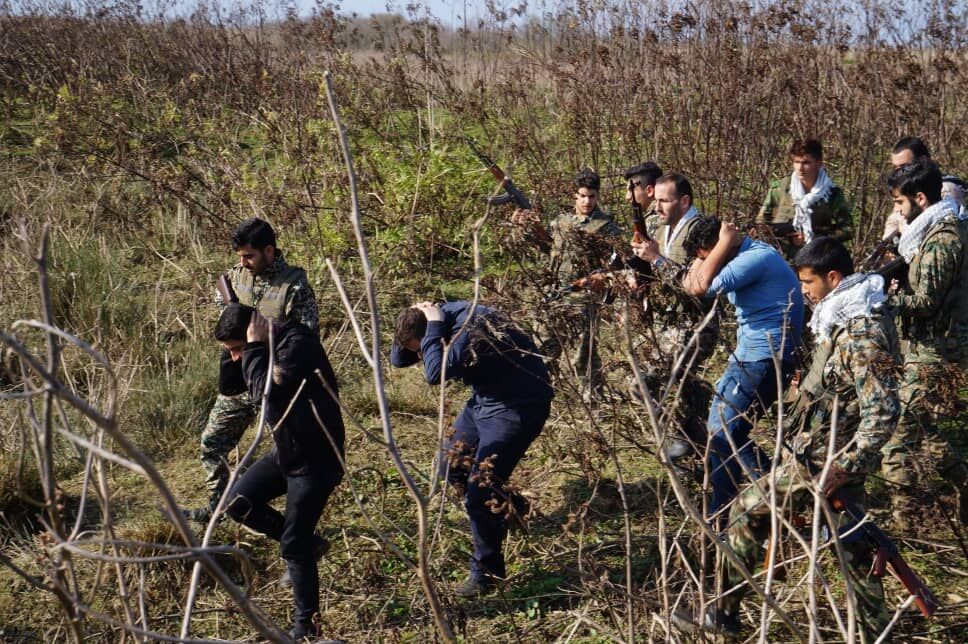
258,330
431,311
730,235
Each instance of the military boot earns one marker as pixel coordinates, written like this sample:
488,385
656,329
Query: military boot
902,518
204,514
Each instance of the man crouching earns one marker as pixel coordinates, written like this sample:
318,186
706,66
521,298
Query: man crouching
304,464
510,401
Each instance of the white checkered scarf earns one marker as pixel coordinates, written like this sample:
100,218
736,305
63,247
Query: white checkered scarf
856,296
805,201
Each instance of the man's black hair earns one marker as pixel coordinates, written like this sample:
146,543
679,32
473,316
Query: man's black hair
649,171
825,254
683,187
411,324
917,147
233,322
921,176
702,236
807,147
589,180
253,232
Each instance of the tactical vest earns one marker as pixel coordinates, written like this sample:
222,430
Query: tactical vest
573,257
676,252
948,330
822,218
269,298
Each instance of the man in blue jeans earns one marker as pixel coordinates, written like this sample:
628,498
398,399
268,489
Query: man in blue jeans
769,314
510,401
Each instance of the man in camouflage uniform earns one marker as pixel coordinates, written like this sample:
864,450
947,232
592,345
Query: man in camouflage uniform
671,314
807,200
852,375
933,310
582,241
264,281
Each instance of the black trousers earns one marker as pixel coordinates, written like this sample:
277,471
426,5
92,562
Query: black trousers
306,496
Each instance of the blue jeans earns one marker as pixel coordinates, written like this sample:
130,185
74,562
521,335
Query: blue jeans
743,393
487,443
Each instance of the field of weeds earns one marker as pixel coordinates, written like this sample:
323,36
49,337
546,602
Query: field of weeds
138,142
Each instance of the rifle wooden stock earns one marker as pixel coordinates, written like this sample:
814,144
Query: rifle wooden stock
886,555
224,288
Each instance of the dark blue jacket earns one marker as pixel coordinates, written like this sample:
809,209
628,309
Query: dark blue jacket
301,443
499,361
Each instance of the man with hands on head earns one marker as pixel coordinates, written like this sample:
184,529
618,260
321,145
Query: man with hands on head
769,313
510,401
305,463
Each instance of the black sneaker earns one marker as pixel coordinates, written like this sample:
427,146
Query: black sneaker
305,631
474,586
677,449
322,547
199,515
722,623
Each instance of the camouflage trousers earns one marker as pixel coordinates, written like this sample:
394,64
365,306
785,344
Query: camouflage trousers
656,351
749,528
571,327
228,420
917,430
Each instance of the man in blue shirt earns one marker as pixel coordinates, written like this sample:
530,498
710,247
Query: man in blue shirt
510,401
769,314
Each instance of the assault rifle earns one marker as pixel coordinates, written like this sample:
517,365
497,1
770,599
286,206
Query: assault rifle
886,553
780,230
224,288
879,261
640,233
511,192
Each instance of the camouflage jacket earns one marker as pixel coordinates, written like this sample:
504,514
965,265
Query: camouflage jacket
281,292
934,308
856,368
581,245
828,217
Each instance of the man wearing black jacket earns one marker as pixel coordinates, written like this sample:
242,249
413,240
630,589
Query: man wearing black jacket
510,401
308,433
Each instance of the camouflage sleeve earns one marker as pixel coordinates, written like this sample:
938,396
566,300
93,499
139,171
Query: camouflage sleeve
840,215
301,304
765,215
863,359
937,271
669,272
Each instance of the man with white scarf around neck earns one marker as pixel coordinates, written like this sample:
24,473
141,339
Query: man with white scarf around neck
808,199
933,312
852,374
